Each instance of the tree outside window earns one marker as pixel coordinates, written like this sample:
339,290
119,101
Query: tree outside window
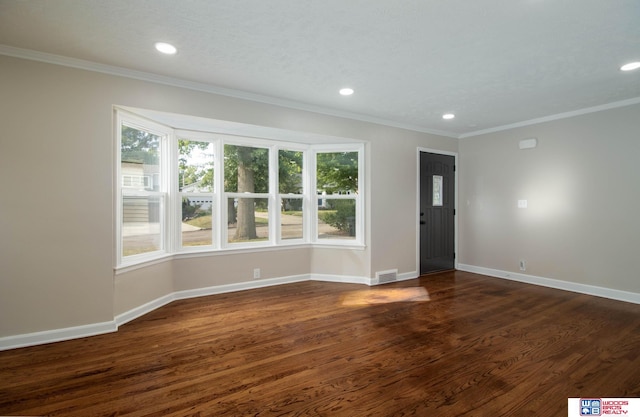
246,176
337,187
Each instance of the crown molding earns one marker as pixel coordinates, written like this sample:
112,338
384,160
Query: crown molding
559,116
244,95
207,88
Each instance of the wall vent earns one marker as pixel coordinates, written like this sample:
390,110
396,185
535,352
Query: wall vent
382,277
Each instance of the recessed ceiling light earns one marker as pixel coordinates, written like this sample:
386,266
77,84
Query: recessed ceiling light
448,116
346,91
166,48
630,66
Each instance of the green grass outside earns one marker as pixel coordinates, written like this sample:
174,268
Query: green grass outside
204,222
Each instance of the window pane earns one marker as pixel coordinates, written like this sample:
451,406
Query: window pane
195,163
197,220
246,169
337,220
437,190
290,172
337,172
141,229
291,218
139,160
248,219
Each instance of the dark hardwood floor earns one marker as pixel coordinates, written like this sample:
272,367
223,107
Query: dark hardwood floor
476,346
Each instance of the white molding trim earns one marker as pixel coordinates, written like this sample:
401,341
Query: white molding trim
185,254
56,335
559,116
122,269
244,95
240,286
140,311
59,335
344,279
405,276
69,333
207,88
629,297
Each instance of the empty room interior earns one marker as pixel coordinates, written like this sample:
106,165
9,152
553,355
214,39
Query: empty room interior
305,208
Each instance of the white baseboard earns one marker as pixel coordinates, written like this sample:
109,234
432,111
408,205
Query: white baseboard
59,335
345,279
613,294
240,286
408,275
399,277
140,311
56,335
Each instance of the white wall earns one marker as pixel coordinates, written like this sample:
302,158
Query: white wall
55,201
394,199
56,205
582,184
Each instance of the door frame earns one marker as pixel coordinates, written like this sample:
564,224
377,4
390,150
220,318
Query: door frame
455,206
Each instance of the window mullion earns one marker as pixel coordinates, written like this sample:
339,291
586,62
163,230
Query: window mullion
174,201
220,209
311,199
274,206
360,224
118,190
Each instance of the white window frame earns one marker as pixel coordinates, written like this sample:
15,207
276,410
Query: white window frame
171,197
358,197
194,136
269,195
303,196
165,134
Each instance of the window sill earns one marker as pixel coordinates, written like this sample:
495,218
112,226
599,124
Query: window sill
132,266
143,263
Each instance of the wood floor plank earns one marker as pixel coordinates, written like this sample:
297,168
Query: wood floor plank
475,346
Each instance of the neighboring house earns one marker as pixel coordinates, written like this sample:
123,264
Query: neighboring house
138,176
203,202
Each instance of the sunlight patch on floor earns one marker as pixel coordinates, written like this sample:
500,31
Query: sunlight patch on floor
385,295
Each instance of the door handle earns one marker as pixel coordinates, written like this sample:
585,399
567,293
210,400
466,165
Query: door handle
423,222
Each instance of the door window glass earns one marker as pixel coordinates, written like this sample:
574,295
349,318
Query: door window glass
437,190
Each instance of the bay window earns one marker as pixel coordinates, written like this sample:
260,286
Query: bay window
181,191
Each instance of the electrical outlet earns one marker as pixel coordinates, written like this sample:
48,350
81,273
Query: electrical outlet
523,265
256,273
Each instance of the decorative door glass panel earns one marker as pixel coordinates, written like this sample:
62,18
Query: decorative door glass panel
437,190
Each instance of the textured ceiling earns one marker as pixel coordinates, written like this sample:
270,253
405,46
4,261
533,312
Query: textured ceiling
491,62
